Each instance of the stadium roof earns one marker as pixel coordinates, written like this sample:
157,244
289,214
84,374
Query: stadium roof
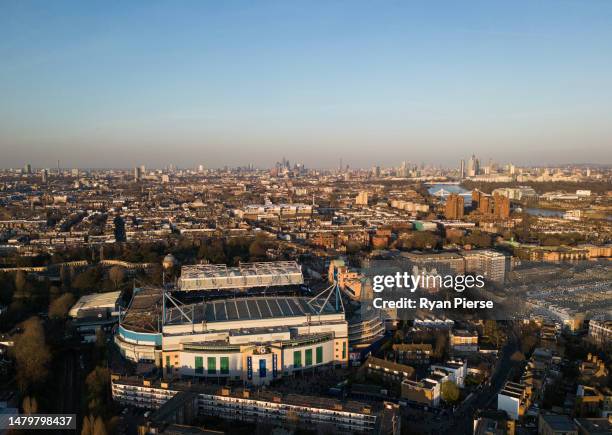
253,308
246,275
95,301
144,312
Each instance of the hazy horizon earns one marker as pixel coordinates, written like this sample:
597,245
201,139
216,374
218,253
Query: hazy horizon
103,85
272,164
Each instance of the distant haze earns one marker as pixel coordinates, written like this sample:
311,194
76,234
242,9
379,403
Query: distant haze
119,84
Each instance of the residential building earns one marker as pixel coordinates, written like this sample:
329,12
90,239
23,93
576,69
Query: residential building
514,399
454,207
552,424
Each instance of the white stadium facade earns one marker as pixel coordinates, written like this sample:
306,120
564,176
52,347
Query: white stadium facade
253,339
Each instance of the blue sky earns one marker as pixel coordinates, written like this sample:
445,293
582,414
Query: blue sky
101,84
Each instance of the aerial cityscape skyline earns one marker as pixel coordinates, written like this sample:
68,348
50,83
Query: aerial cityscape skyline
306,218
328,165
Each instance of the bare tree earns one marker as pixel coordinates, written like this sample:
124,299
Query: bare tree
20,284
30,405
116,275
59,308
88,425
31,354
99,427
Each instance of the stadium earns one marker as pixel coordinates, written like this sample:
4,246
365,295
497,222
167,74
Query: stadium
253,339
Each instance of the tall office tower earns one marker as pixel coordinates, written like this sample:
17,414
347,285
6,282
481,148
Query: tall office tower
454,207
588,172
404,169
376,171
137,174
200,168
476,167
143,170
27,168
501,206
44,175
462,169
511,169
471,166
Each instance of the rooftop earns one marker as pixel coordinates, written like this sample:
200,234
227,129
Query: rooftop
559,423
252,308
392,366
143,314
96,300
261,395
594,426
246,275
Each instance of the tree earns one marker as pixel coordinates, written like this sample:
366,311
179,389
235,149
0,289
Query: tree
478,239
492,331
21,285
54,292
257,250
112,425
212,251
353,247
398,337
440,346
87,280
116,275
98,387
58,309
424,240
99,427
88,425
30,405
449,392
31,354
20,280
528,342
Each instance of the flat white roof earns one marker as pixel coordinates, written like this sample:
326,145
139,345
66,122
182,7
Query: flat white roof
246,275
96,300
